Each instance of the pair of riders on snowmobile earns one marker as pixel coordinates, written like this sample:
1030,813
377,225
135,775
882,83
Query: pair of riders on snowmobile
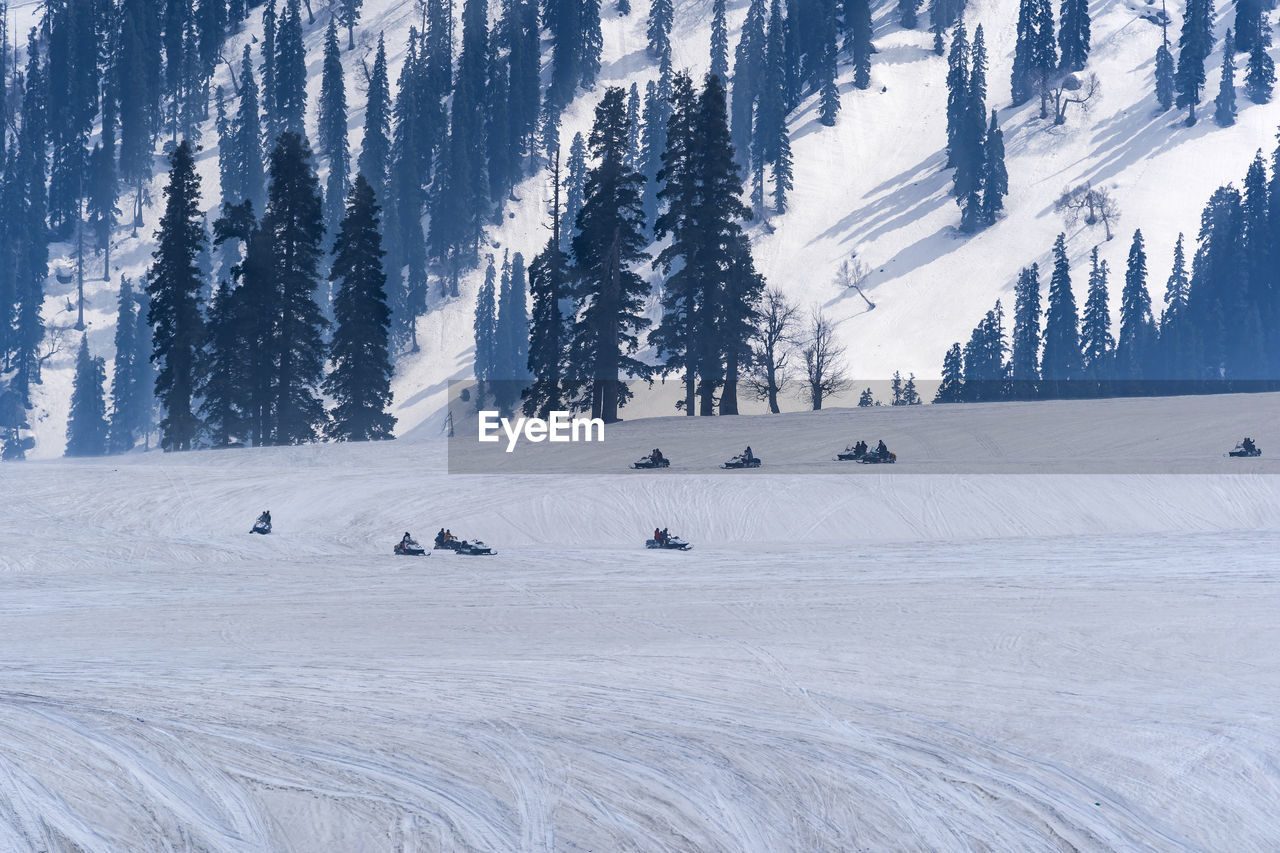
859,448
656,456
1248,446
444,536
661,536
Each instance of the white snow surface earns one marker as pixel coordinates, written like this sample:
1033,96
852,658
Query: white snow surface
874,184
849,658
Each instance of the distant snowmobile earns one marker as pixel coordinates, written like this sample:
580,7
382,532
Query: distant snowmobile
645,463
742,460
668,543
878,457
1246,448
410,548
465,548
854,453
263,524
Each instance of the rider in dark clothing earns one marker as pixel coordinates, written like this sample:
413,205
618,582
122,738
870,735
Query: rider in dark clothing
265,518
1248,445
747,454
881,449
657,535
440,537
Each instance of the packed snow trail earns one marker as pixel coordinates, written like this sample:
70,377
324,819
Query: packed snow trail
845,661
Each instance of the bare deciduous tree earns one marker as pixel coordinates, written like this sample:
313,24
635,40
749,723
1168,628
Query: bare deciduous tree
772,369
1070,89
851,275
825,370
1092,204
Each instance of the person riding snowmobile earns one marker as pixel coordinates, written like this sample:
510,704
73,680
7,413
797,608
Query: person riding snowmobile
882,449
1248,445
440,537
263,524
747,455
655,456
657,535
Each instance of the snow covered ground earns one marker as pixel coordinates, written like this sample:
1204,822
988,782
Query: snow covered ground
849,659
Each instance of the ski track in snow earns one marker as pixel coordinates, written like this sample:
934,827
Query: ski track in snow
846,661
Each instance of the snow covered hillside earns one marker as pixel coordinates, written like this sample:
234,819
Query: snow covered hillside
872,185
845,661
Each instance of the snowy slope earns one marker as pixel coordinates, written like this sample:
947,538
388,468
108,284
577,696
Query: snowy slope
873,185
845,661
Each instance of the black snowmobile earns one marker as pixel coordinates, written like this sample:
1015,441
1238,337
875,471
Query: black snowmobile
646,463
876,457
465,548
668,543
410,548
852,454
1246,449
742,461
263,524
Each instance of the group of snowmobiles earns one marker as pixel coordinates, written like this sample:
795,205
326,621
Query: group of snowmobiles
445,541
655,459
860,452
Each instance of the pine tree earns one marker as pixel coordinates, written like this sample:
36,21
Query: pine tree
332,132
271,127
349,16
995,178
1260,78
1024,359
609,296
511,336
951,388
28,237
661,14
957,93
126,396
624,8
633,121
1096,342
1074,34
1224,106
102,208
1021,82
1194,46
1177,287
985,372
971,157
1137,327
772,138
828,92
866,400
653,142
719,40
485,328
858,22
375,149
174,284
575,187
1044,53
222,369
548,284
1249,24
908,14
592,43
895,388
294,227
360,382
910,396
1165,74
563,20
748,79
248,134
290,104
87,423
1061,359
136,76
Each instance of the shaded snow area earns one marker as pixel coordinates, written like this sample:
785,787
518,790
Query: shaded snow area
849,658
874,185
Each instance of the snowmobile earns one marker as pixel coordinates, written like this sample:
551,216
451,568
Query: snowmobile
851,454
671,543
1246,449
262,525
645,463
410,549
741,461
465,548
875,457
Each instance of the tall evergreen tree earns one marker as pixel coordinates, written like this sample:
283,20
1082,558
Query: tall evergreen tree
1137,327
270,26
28,237
1096,343
719,40
222,369
174,285
772,139
653,142
609,294
575,187
293,227
951,388
828,91
1024,358
511,336
486,334
290,106
957,92
1249,24
908,14
858,23
661,15
1194,46
549,286
592,43
1060,364
360,382
748,78
332,132
1166,84
1224,106
1044,53
375,149
1260,75
1074,34
995,178
87,423
126,397
349,15
248,133
1021,81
